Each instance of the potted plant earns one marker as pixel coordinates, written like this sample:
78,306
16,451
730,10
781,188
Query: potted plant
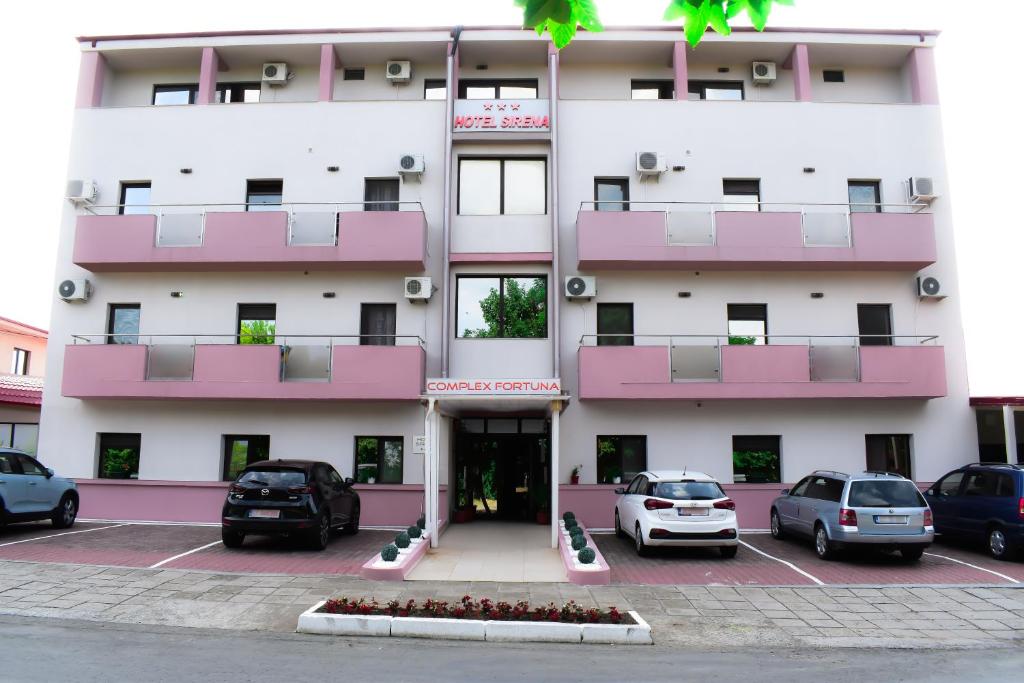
574,478
541,502
117,463
613,474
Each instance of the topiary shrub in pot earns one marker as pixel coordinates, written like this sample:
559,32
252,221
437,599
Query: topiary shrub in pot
390,553
402,540
414,532
579,542
571,524
586,555
566,516
421,522
575,531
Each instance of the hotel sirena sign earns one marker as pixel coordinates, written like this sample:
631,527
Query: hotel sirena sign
501,116
520,386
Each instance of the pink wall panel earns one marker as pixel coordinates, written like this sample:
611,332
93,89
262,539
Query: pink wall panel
91,71
775,363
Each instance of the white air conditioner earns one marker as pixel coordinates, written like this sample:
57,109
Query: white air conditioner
580,287
275,73
81,191
922,189
650,163
74,290
399,72
411,164
930,288
418,289
764,73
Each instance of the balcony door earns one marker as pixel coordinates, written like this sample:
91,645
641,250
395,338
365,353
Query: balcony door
381,194
377,325
874,322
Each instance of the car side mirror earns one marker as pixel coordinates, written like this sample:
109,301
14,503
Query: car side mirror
620,491
349,481
49,473
785,492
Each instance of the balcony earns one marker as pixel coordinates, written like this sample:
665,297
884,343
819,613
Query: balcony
778,237
226,237
707,368
328,368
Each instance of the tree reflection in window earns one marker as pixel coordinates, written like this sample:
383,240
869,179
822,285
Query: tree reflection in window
503,307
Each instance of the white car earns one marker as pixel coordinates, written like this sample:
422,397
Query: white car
677,508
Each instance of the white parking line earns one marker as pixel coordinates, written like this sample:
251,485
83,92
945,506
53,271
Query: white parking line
974,566
792,566
180,555
63,533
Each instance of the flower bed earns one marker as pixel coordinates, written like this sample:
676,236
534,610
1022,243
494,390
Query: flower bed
485,609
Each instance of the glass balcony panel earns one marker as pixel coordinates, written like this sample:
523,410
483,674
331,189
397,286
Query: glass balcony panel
835,362
826,229
691,227
306,363
170,362
315,228
695,363
180,230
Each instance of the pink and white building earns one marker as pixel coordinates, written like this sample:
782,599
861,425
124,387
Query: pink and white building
473,266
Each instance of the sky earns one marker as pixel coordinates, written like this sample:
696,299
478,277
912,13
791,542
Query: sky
978,64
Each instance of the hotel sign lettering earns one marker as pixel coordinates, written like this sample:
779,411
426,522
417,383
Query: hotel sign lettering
494,387
501,116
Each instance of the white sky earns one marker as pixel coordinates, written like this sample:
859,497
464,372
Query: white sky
979,69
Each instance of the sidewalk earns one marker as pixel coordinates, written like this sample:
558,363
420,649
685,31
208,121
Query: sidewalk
690,617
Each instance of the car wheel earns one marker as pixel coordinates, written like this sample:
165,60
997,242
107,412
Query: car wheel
231,538
822,544
776,525
352,528
321,533
911,553
641,547
729,551
998,546
619,533
65,513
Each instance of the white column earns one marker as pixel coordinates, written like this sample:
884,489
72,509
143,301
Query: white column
556,407
435,481
1010,433
428,424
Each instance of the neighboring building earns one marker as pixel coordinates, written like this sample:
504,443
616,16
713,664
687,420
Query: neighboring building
749,242
23,354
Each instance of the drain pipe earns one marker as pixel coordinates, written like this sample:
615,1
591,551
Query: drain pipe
555,288
449,112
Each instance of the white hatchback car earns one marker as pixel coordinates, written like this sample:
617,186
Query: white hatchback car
677,508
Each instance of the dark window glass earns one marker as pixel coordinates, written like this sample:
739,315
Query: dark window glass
30,466
634,485
354,73
263,195
653,89
134,198
748,323
19,362
229,93
874,322
498,89
983,483
1005,487
615,319
510,307
276,477
240,451
884,493
865,196
950,486
801,487
888,453
7,463
833,75
687,490
715,90
377,325
380,194
257,323
119,456
175,94
492,187
825,488
123,323
741,195
756,459
611,194
379,459
620,457
435,89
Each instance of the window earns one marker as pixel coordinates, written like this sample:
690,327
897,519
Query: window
715,90
757,459
874,322
888,453
748,323
865,196
741,195
123,323
653,90
377,325
119,456
949,486
492,187
263,195
134,198
229,93
611,194
502,425
687,490
379,459
615,319
380,194
31,467
509,307
800,489
6,463
354,73
885,493
990,484
240,451
620,458
22,436
19,362
175,94
833,75
825,488
435,89
498,89
257,323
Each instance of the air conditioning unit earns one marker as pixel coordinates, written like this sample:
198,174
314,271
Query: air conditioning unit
418,289
275,73
922,189
650,163
81,191
764,73
580,287
74,290
411,164
930,288
399,72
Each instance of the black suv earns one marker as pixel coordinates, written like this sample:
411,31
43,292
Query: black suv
293,497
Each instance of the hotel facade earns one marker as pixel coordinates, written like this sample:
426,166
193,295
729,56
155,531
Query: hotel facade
489,279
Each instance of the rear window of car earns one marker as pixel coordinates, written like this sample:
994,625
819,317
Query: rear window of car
687,490
273,477
885,494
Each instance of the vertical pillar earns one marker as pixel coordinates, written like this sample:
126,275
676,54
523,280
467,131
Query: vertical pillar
208,77
429,475
1010,434
680,71
556,408
553,85
91,70
451,93
328,64
924,87
801,64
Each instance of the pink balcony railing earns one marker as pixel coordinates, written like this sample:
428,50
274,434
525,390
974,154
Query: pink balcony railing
227,237
778,237
214,367
708,367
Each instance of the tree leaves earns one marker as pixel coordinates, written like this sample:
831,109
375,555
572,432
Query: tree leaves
560,18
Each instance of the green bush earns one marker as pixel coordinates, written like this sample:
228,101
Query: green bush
579,542
414,532
586,555
390,552
566,516
402,540
571,524
421,522
575,531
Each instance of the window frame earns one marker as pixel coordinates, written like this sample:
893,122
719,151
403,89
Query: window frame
827,73
622,340
14,435
501,184
622,182
875,185
730,317
700,88
777,470
498,83
381,441
739,191
111,315
233,87
666,88
191,88
501,277
122,437
618,440
910,454
227,443
252,189
133,185
20,360
353,73
435,84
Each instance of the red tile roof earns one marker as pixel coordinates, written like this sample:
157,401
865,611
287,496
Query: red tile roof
24,389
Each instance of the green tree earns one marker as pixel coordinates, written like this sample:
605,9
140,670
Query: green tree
520,314
256,332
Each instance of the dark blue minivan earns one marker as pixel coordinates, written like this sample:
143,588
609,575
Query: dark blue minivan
982,502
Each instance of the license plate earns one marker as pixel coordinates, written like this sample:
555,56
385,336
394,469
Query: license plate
891,519
693,512
265,514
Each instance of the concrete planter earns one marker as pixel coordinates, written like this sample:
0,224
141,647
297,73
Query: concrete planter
448,629
325,624
377,569
597,573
